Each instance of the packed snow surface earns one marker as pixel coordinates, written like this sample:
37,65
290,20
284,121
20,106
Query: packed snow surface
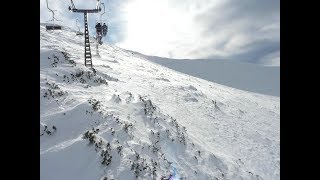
131,118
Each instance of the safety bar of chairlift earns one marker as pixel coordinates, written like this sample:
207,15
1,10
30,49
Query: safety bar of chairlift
52,27
85,10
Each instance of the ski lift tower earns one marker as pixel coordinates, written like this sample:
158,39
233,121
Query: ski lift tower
87,50
52,27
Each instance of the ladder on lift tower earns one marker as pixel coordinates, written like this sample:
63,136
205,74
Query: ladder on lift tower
87,50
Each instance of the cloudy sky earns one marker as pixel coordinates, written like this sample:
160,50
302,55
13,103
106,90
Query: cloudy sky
244,30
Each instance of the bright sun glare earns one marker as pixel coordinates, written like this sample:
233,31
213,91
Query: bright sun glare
152,25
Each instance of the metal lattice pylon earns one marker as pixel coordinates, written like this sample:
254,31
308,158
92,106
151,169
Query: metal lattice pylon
87,50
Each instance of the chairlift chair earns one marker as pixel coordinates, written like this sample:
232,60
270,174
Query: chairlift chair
53,26
79,33
99,34
104,31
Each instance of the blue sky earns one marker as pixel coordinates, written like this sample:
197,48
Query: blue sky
244,30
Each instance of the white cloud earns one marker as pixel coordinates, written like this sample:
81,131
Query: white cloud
160,27
202,28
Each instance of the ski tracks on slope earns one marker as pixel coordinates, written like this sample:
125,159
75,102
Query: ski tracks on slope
61,145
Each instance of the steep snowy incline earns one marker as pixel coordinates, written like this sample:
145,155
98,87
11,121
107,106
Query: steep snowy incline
245,76
132,118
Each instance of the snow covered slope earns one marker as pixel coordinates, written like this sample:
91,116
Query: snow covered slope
131,118
245,76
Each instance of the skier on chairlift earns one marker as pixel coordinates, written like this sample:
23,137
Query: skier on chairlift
98,31
104,29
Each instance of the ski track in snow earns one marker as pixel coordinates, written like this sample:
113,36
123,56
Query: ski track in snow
238,136
60,146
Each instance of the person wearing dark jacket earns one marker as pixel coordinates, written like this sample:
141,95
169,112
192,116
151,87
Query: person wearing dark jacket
99,34
104,29
98,28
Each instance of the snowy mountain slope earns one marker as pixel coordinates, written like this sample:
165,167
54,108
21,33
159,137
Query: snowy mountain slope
245,76
133,118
